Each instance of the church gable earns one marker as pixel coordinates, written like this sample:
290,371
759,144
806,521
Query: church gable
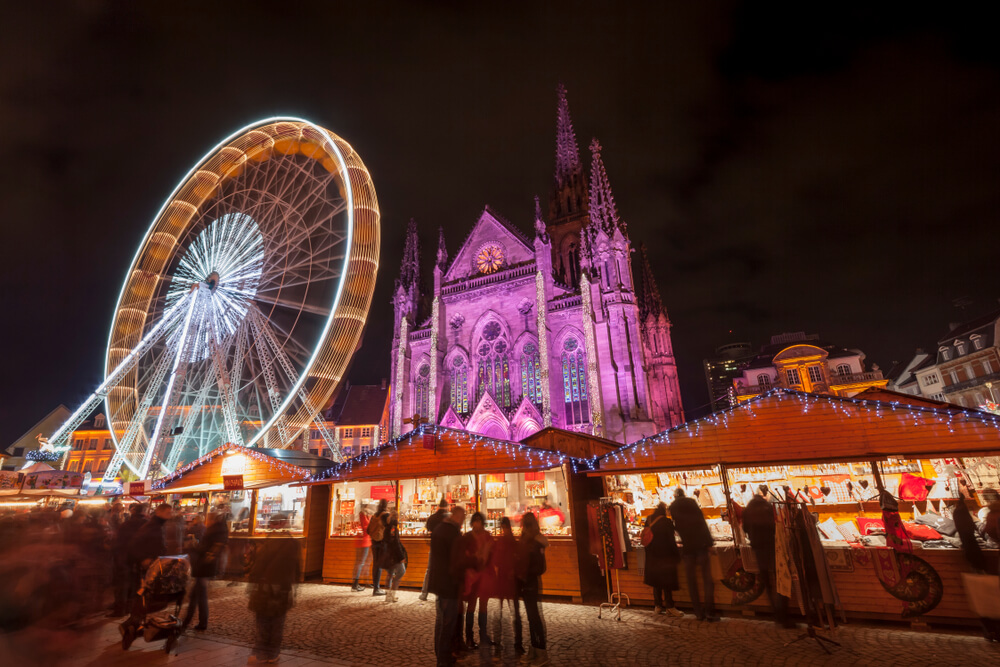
526,420
488,419
451,419
495,242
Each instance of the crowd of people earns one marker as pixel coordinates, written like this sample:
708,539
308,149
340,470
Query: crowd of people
469,573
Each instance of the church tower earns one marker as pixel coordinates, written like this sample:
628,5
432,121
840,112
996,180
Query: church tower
661,369
568,202
405,302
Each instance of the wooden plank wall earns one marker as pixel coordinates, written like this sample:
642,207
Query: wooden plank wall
316,523
561,578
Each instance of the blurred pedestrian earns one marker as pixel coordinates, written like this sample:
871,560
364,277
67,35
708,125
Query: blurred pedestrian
662,559
446,586
476,546
530,568
363,547
432,522
125,574
174,531
376,530
759,526
393,557
501,584
696,539
271,588
204,565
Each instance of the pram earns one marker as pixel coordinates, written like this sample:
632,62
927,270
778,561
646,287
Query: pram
164,584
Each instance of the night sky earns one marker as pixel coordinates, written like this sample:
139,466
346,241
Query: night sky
828,172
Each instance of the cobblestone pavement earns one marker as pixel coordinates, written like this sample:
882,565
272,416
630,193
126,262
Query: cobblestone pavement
355,628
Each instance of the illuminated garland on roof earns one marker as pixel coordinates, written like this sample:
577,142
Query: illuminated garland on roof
692,429
537,458
257,455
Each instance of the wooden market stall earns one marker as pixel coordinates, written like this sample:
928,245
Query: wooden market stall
497,477
254,486
832,454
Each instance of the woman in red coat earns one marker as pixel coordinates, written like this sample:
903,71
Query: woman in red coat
476,545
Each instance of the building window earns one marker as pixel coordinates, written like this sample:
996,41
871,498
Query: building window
103,466
493,366
960,346
945,353
954,377
764,381
365,449
366,431
18,451
929,379
93,445
531,374
987,366
574,369
977,342
73,466
792,375
87,466
815,374
347,432
843,369
422,392
78,444
459,392
107,443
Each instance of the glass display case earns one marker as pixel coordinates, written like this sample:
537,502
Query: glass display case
514,494
352,498
281,508
419,498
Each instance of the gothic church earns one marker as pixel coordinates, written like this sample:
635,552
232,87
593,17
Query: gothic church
524,333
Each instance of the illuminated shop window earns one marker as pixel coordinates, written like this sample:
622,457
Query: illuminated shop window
350,499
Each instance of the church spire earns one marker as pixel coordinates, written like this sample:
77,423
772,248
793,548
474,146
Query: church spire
567,153
540,231
409,271
442,253
603,214
650,302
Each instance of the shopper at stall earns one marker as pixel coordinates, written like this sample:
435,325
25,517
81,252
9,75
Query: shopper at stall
272,578
696,539
530,568
375,530
759,526
393,557
125,573
476,546
432,522
204,566
446,560
363,548
501,583
662,558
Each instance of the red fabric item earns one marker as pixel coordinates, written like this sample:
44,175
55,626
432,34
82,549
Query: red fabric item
498,578
895,534
913,487
868,526
918,531
365,541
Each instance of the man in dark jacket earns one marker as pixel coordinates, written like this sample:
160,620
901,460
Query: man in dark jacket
125,574
204,565
758,524
445,584
696,539
432,522
273,576
149,543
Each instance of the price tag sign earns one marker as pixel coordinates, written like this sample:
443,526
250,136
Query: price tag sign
137,488
232,482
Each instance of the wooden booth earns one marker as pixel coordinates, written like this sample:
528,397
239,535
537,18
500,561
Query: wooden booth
496,477
254,486
833,454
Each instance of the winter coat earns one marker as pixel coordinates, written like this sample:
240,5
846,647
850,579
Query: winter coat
445,556
208,552
393,551
274,572
691,526
476,550
435,519
148,544
531,563
662,555
499,579
126,533
758,524
364,520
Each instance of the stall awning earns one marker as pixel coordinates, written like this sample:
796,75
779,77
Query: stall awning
787,426
433,451
257,468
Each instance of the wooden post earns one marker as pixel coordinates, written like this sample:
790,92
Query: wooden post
253,513
878,477
475,478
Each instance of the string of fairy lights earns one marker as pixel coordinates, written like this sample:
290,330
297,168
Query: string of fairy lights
273,464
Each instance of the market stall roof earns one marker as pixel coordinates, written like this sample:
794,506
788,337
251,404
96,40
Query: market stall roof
785,426
578,445
259,468
433,451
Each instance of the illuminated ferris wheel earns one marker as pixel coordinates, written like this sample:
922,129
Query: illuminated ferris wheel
244,303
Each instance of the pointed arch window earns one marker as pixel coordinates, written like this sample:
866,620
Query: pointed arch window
574,368
531,374
422,391
459,386
493,365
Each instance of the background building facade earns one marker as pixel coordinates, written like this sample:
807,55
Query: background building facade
724,366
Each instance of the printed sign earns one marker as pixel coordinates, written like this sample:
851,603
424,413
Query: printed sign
232,482
430,442
52,480
10,480
346,507
137,488
383,492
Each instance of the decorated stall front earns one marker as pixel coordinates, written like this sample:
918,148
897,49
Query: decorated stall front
414,473
261,492
831,455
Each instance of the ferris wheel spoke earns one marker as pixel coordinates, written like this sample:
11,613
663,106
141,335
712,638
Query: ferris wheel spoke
225,387
270,377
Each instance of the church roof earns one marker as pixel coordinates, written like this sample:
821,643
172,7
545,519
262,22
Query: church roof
488,216
360,405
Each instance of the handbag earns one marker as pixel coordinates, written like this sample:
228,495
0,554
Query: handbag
647,532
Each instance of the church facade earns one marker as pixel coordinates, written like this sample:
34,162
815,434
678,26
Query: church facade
525,331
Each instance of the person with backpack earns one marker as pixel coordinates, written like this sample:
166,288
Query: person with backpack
530,568
432,522
393,557
662,557
376,530
696,539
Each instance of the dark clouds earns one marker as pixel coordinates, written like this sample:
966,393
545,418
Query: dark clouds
788,168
